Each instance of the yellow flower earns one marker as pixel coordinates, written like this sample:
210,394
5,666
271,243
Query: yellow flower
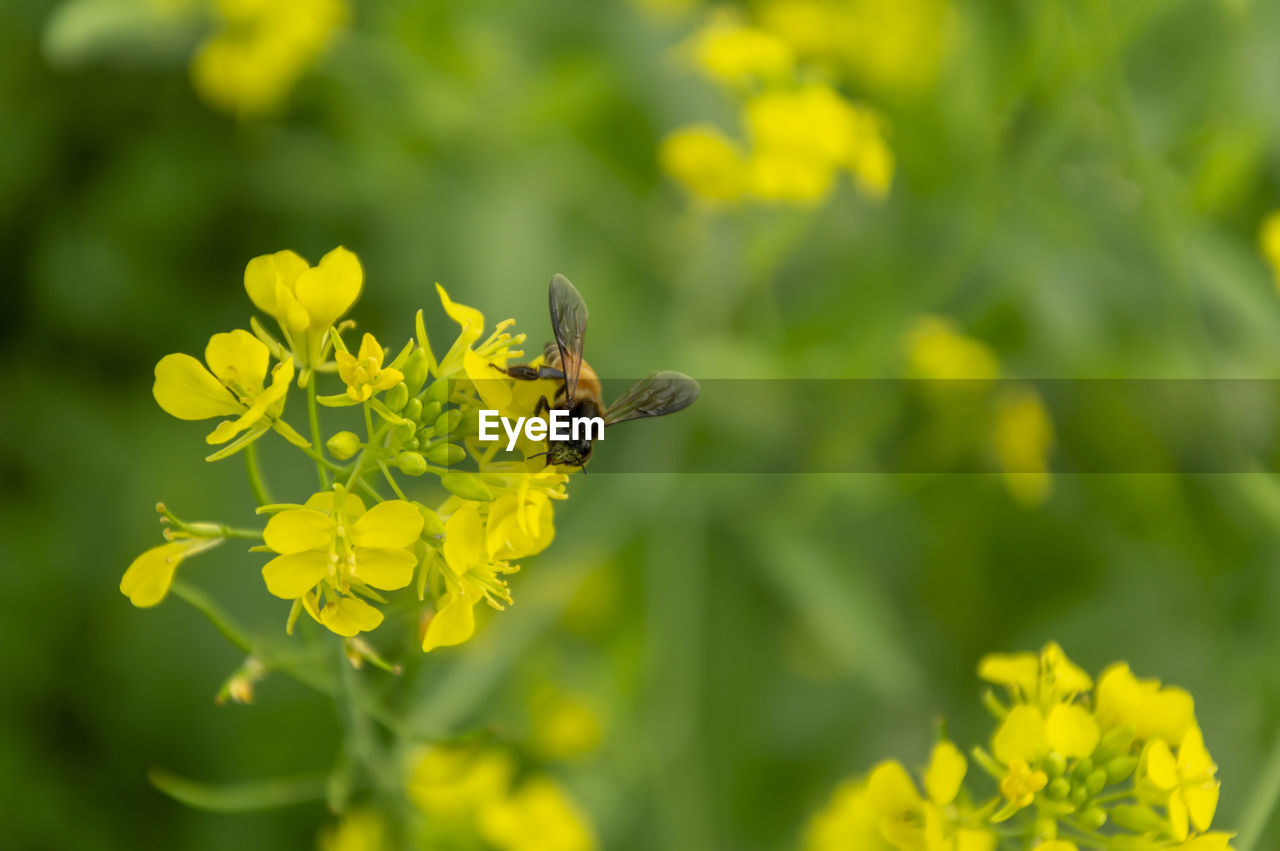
363,372
936,350
735,54
335,549
260,49
359,830
305,300
471,575
1269,241
537,816
706,162
1189,782
1057,845
800,139
562,725
1152,712
231,386
455,782
1022,439
1045,678
1020,785
147,580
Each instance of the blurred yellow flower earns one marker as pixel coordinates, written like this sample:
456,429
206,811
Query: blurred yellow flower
359,830
455,782
1045,678
1269,240
937,351
1187,785
1022,439
537,816
363,372
260,49
305,300
705,162
335,550
232,385
1020,785
733,53
563,726
1149,710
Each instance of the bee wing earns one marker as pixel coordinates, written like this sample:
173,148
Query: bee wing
656,394
569,322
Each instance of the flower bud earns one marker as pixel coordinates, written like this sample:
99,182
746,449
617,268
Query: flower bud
446,454
430,410
1078,795
413,410
397,397
447,422
1082,768
432,525
437,392
1058,789
414,443
1116,742
467,486
1137,817
1095,781
1120,768
1055,764
415,370
404,432
343,445
1093,818
411,463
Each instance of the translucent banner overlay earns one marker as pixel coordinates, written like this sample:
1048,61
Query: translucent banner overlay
1064,426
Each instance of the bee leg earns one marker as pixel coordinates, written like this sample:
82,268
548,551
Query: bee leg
524,372
543,407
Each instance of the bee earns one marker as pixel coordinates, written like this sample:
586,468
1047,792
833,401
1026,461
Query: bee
580,392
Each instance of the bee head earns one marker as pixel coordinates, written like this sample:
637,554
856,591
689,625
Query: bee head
572,453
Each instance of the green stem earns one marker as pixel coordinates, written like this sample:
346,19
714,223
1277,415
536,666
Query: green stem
391,480
1261,801
214,613
239,797
256,483
313,417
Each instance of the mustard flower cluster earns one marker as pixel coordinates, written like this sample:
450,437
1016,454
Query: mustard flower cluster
1119,763
338,554
787,64
1014,415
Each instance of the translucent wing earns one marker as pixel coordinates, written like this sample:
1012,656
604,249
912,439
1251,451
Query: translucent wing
569,322
656,394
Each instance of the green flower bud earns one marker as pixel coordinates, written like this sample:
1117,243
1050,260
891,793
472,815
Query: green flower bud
1093,818
467,486
447,422
430,410
432,525
1095,781
1078,795
415,370
413,410
343,445
1120,768
1082,768
1055,764
404,432
397,397
1058,788
1116,742
1137,817
411,463
414,443
437,392
446,454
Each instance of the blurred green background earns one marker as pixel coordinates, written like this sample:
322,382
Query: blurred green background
1081,189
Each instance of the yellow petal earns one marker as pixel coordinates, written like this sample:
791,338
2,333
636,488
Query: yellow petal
1159,766
1071,730
352,505
388,570
1021,670
1067,677
298,530
393,524
1021,735
188,391
238,359
1193,756
946,772
328,290
1178,817
281,376
453,624
1202,802
507,538
291,576
350,616
264,274
975,840
370,350
890,789
464,542
471,320
148,578
492,386
1057,845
